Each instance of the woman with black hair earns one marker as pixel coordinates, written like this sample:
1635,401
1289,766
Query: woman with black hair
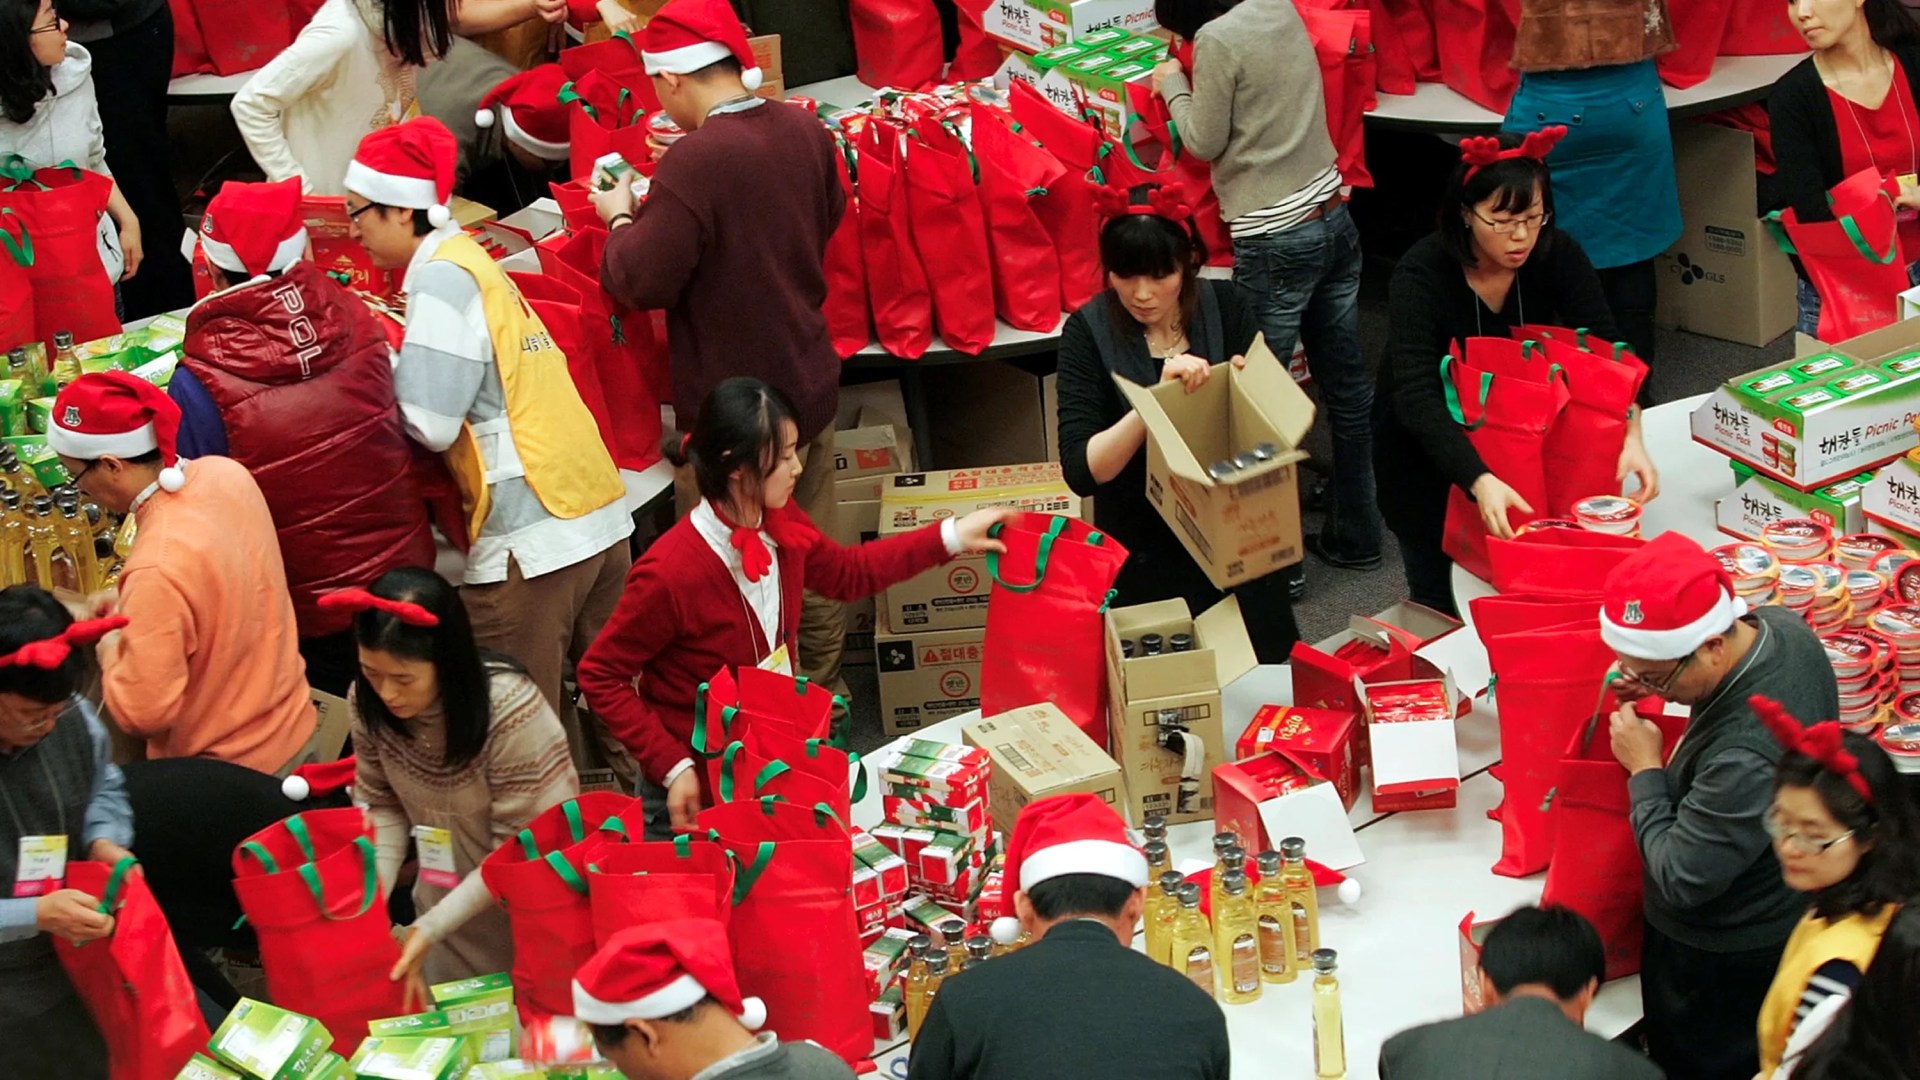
64,800
1847,108
1870,1033
1157,321
456,750
1846,833
721,588
1494,263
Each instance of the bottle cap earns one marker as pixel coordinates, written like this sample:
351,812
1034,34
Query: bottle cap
1190,895
1126,648
1150,644
1234,882
1293,848
979,947
1180,642
1224,840
1170,883
1268,862
17,355
937,963
1155,827
1233,858
63,339
1325,960
920,944
1155,851
954,931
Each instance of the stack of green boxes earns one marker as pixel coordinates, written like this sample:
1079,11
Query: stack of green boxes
152,352
412,1057
1095,68
1817,419
260,1042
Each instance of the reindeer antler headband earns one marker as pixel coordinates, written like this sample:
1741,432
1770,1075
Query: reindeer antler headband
1823,742
49,653
1164,200
1480,151
357,600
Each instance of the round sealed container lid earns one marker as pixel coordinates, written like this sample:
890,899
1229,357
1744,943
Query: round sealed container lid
1906,583
1606,509
1900,623
1853,652
1747,562
1864,547
1903,735
1887,562
1543,524
662,125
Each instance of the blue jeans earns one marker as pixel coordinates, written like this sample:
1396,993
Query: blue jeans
1306,288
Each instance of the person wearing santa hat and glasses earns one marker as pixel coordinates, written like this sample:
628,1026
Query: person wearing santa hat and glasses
1079,1001
732,243
1718,912
663,1004
210,666
287,373
480,381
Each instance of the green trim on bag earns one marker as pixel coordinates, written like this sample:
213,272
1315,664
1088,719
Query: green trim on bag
110,898
527,847
21,251
1040,561
267,862
560,866
683,846
369,887
746,877
569,96
1453,395
1107,602
297,826
571,809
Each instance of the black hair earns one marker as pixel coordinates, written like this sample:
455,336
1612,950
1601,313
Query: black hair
151,457
1551,946
1148,245
606,1035
1186,17
1516,181
739,423
417,31
726,65
1886,832
464,670
24,81
29,613
1890,23
1080,894
1872,1036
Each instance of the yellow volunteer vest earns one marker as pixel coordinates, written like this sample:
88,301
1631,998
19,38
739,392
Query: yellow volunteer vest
1814,942
548,436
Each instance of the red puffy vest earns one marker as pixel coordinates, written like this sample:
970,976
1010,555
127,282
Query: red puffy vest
299,368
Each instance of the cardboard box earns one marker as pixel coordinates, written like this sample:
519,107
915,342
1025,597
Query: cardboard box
1247,524
1320,739
870,448
925,678
1329,673
1814,420
991,413
1034,25
480,1011
954,596
884,399
1892,497
201,1067
1036,752
1724,277
1473,935
1272,796
1159,706
421,1058
1416,761
270,1043
1103,86
34,453
538,219
1758,501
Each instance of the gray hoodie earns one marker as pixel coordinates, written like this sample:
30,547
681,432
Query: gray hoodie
66,126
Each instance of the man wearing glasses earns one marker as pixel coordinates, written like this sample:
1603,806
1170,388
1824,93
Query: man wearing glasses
1718,912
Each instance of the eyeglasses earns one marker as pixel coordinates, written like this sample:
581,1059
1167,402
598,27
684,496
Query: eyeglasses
1645,681
1533,222
49,28
354,215
1805,845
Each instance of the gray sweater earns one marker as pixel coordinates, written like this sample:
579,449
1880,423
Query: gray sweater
770,1059
1255,107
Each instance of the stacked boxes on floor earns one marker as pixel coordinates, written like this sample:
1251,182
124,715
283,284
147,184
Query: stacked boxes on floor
864,456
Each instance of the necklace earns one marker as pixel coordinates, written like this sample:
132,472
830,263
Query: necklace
1899,106
1176,342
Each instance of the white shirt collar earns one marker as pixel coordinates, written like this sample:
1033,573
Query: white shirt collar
429,246
150,490
706,521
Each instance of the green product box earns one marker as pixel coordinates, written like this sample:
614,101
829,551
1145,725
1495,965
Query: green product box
1821,366
1771,383
202,1067
105,346
164,333
269,1043
409,1058
481,1011
35,454
13,407
1135,48
333,1067
39,415
596,1071
159,372
510,1069
1087,63
426,1023
1103,37
1060,54
1758,501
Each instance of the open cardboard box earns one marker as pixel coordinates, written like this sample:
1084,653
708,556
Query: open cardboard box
1274,795
1247,524
1160,707
1416,763
1321,739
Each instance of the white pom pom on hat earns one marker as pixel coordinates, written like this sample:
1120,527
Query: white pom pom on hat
483,118
1348,891
438,215
172,478
753,1013
1005,930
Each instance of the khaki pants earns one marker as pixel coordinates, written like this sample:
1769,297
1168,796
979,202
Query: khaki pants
546,623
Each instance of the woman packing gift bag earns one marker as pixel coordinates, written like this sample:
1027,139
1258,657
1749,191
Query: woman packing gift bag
1507,402
683,878
1855,261
133,981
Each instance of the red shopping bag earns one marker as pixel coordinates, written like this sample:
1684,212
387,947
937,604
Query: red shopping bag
897,42
617,58
1601,876
1758,28
630,361
133,981
950,235
630,884
539,877
896,285
1854,261
1511,614
189,48
1475,48
1014,175
1413,27
576,204
727,707
1507,403
1194,176
60,208
1045,619
1568,563
849,322
242,35
746,776
1067,210
1698,27
309,886
796,945
559,307
16,281
608,116
1396,70
837,769
1583,449
1343,45
978,56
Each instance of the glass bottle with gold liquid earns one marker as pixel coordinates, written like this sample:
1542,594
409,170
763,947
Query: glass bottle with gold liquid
13,539
1163,907
954,933
78,540
1193,941
936,974
918,946
1232,860
1279,959
19,477
1329,1034
54,566
66,362
1301,898
1236,940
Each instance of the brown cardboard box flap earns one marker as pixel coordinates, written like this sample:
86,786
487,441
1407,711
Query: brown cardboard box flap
1221,629
1882,344
1271,395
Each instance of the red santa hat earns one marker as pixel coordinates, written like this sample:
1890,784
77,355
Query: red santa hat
254,229
656,970
530,111
1060,835
1666,599
687,35
117,414
321,778
409,165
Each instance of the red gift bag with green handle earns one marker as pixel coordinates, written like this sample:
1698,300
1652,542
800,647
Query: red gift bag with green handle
849,322
132,981
684,878
836,767
1067,210
310,888
746,774
1046,621
60,208
16,283
729,706
897,289
1582,452
1015,175
1854,261
950,234
1507,397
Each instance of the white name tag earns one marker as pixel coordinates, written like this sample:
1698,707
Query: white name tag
42,865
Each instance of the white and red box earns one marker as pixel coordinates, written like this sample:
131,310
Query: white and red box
1416,759
1321,739
1271,796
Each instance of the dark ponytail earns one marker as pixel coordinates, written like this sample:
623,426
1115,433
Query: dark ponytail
738,426
417,31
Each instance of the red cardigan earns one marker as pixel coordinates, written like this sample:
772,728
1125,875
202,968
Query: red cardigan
680,621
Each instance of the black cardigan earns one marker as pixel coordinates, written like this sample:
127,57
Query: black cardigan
1806,139
1432,307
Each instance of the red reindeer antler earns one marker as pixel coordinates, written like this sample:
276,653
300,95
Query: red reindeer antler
1480,151
357,600
1162,200
50,653
1824,742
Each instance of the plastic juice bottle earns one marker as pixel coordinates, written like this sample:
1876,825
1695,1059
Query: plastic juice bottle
1163,907
1158,859
1233,860
13,539
66,362
916,993
53,566
78,541
1193,941
1236,941
1329,1038
1279,961
1301,898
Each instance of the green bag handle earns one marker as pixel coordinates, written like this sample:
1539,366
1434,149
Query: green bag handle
575,826
569,96
559,865
369,885
745,877
859,778
1848,225
267,862
110,899
1041,559
21,250
17,170
822,813
760,781
1453,396
683,846
1586,739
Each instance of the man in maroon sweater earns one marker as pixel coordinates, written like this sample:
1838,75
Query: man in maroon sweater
731,242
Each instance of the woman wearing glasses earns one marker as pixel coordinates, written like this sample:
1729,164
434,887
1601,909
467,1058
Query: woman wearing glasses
1848,835
1495,262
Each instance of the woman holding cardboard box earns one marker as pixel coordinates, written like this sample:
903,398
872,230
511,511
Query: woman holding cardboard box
1157,321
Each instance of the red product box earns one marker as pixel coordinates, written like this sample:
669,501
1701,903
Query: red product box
1271,796
1320,739
905,841
928,814
872,919
866,886
1416,760
336,252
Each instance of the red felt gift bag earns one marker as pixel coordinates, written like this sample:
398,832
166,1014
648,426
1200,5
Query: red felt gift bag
1475,39
840,770
632,884
310,888
849,322
1564,563
16,281
630,362
1758,28
796,945
1014,175
189,48
896,285
1176,166
1698,26
897,42
1343,45
1397,70
60,209
950,234
1507,403
559,307
1582,454
1854,261
132,981
746,776
1067,209
1046,619
727,707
